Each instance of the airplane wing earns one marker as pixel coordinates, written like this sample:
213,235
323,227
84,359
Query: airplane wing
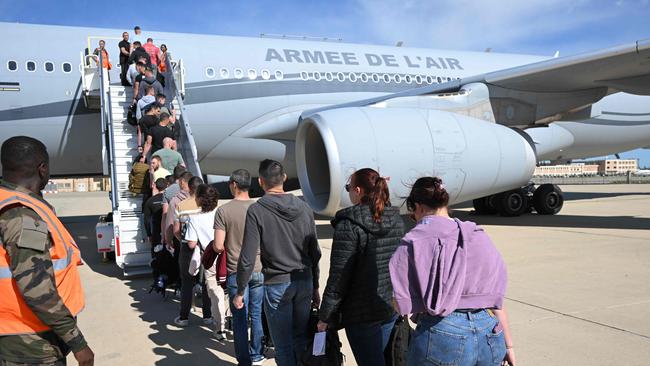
543,92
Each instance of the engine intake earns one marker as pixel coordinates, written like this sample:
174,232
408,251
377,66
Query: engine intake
474,158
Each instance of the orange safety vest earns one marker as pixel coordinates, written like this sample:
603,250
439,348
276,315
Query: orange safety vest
15,316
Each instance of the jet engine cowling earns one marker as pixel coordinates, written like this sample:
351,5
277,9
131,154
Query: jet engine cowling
474,158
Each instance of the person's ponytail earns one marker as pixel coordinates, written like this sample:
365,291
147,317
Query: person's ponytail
380,199
375,190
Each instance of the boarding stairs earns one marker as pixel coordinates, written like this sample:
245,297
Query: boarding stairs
120,148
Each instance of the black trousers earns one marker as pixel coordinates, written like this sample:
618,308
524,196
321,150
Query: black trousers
187,286
123,69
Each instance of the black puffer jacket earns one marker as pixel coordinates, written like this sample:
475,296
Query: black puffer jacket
358,288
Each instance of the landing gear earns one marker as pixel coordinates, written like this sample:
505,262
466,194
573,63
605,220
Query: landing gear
512,203
485,205
547,199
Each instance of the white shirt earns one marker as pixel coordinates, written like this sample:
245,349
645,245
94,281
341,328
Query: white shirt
200,228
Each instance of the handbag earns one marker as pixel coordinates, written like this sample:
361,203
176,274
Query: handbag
332,356
396,351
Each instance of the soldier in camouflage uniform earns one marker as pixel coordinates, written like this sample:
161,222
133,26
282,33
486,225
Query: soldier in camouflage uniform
26,239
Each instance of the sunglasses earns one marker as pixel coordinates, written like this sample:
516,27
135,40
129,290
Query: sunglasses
347,187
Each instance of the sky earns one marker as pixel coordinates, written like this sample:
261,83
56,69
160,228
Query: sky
539,27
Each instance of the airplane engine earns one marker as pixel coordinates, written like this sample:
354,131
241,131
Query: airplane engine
474,158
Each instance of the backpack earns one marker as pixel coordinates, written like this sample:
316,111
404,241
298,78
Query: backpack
397,349
130,116
137,177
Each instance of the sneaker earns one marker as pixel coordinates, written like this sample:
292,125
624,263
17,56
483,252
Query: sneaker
208,321
220,336
181,322
259,362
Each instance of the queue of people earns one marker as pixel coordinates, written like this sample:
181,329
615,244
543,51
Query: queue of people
445,274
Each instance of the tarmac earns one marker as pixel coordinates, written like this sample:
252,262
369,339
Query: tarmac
578,290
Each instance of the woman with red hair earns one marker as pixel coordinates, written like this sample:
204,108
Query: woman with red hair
359,292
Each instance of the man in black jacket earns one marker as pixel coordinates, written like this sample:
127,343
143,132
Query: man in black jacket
282,228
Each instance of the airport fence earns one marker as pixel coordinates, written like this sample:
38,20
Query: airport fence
608,179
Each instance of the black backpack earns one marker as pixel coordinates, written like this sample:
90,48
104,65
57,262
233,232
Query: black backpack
130,116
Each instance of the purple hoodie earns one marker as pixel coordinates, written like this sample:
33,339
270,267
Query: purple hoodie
437,268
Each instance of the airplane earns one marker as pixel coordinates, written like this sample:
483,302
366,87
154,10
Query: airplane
480,120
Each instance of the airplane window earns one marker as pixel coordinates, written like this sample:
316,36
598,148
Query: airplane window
239,73
386,78
418,79
279,75
439,79
11,65
408,79
317,76
429,79
397,78
340,76
329,76
224,73
31,66
364,77
304,75
353,77
266,74
67,67
252,74
375,78
209,72
49,67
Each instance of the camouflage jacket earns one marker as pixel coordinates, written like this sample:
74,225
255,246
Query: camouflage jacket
31,267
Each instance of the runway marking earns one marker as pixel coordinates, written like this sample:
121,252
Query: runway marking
594,234
569,315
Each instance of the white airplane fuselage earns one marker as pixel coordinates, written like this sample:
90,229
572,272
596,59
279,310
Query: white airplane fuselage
244,95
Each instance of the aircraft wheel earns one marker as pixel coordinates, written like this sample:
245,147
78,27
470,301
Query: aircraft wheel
548,199
512,203
485,205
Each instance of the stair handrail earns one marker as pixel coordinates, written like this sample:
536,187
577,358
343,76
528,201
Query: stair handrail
107,126
186,131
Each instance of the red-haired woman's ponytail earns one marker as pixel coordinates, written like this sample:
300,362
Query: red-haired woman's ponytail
375,190
380,199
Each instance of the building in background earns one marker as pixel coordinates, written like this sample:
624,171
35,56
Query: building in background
589,168
618,166
78,185
566,170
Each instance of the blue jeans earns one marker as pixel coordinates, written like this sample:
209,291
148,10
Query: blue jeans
287,307
246,352
457,339
368,341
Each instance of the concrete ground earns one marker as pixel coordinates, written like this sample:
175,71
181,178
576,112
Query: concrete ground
578,288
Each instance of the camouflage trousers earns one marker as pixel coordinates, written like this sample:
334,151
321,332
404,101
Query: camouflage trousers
57,363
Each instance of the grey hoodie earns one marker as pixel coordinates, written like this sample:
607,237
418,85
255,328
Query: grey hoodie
282,228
